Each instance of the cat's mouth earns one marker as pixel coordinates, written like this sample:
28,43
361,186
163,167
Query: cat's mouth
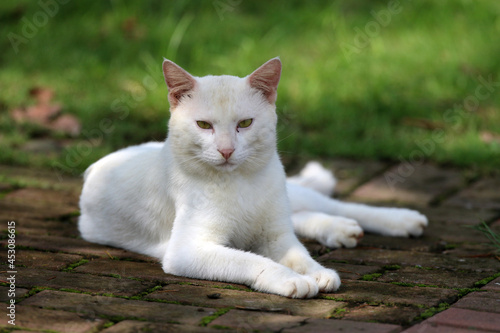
227,165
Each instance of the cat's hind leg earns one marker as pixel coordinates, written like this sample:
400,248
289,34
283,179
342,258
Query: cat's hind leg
381,220
329,230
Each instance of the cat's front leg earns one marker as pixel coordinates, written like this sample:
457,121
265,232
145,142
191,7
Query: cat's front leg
196,250
287,250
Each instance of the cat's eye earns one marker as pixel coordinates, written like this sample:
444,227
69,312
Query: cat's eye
204,124
245,123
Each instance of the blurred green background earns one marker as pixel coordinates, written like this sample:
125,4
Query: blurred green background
377,79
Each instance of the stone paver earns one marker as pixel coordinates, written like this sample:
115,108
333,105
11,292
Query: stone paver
370,256
44,260
493,285
75,246
65,284
34,277
150,271
56,321
461,319
390,294
117,308
134,326
458,216
19,293
405,183
250,321
434,277
325,325
253,301
381,313
350,174
483,194
38,203
482,301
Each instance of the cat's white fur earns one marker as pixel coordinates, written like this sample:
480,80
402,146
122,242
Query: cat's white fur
213,204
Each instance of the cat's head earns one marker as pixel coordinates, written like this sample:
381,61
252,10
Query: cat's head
223,122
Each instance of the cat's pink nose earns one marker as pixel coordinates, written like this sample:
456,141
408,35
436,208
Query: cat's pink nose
226,153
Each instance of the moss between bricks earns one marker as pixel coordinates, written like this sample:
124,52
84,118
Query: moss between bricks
72,266
371,277
33,291
208,319
485,281
464,291
461,291
108,324
139,296
406,284
432,311
331,298
338,313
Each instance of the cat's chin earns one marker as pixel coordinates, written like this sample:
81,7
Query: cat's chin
226,166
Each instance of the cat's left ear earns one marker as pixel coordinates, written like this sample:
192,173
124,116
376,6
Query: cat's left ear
179,82
266,79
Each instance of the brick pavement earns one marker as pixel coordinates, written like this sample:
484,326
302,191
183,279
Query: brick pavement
446,281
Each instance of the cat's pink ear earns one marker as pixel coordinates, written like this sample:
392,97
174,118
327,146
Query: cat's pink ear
266,79
179,82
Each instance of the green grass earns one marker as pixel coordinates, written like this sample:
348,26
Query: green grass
492,236
398,95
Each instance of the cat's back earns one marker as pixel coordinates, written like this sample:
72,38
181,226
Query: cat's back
125,199
122,177
125,160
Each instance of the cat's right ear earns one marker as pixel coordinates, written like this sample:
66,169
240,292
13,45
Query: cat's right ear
179,82
266,79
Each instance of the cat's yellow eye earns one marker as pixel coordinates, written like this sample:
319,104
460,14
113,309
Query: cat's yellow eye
245,123
204,124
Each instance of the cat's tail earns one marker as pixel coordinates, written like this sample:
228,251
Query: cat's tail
316,177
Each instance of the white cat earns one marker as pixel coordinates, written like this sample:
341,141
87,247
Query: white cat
211,201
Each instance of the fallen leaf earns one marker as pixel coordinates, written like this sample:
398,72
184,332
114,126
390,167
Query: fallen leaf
46,114
67,124
488,137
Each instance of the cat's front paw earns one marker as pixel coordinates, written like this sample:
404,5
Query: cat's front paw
339,231
327,279
300,286
402,222
290,284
